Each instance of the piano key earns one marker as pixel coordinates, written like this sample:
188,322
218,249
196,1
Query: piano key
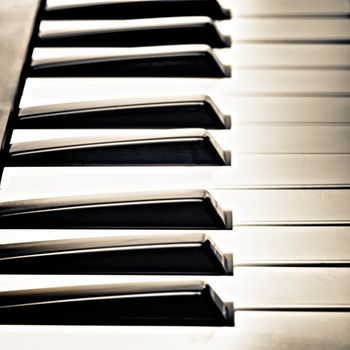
193,254
286,8
314,288
173,254
285,110
283,207
128,33
193,303
170,148
261,156
308,245
190,304
236,110
176,209
179,209
286,30
257,83
281,82
152,113
240,8
252,329
192,30
184,60
241,139
172,61
301,56
133,9
247,171
187,111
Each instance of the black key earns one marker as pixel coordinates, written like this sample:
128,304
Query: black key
138,9
164,210
185,149
199,61
150,255
165,31
164,303
185,112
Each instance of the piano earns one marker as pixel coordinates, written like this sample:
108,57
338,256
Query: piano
175,173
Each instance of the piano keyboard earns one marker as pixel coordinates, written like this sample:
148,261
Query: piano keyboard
175,172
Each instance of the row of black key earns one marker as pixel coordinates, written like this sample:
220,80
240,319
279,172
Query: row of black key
181,303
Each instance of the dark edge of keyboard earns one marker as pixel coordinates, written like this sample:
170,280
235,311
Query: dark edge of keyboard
9,103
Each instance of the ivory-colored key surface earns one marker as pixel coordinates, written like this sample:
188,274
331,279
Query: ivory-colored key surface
266,30
239,56
245,171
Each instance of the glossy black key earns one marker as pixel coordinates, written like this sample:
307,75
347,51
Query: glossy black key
184,254
191,149
190,209
164,303
184,112
137,9
191,63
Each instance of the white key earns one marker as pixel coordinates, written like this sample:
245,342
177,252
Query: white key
253,330
247,56
266,8
239,29
261,83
